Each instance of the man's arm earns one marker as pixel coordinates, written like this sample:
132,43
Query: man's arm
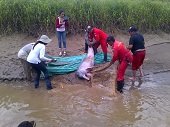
104,68
42,56
130,46
130,43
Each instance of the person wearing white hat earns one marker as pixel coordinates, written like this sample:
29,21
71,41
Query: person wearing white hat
36,58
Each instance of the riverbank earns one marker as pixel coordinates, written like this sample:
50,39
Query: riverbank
157,58
75,104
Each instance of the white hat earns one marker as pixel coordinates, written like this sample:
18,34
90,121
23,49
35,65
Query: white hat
44,39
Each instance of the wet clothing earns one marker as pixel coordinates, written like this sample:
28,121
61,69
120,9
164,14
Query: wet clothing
36,58
120,85
138,50
138,59
124,56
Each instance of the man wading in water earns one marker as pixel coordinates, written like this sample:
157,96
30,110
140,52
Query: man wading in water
137,46
36,58
124,56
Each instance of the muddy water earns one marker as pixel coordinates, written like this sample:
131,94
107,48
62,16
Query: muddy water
81,106
78,105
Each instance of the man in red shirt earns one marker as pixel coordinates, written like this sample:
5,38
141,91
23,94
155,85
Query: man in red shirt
121,54
99,37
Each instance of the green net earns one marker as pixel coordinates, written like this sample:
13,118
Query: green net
65,65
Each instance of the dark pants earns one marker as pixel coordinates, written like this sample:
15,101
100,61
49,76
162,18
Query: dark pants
86,48
104,48
38,68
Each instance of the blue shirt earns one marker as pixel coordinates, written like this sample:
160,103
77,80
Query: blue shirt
137,41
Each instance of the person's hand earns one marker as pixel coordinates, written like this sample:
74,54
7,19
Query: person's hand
48,61
53,60
90,44
62,21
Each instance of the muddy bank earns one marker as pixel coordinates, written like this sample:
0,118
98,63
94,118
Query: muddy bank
157,59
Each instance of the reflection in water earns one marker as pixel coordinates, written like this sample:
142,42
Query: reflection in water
81,106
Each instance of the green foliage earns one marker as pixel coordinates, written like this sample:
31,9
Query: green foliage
33,16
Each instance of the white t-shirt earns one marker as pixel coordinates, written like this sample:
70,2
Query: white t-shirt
24,51
37,54
62,28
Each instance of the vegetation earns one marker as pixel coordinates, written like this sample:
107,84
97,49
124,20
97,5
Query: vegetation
32,16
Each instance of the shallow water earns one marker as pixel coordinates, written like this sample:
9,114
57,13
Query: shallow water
81,106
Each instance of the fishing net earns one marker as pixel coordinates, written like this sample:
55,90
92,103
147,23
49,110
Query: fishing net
65,65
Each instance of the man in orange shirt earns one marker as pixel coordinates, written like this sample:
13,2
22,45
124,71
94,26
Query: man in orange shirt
121,54
98,37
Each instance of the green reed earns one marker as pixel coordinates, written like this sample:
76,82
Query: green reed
37,16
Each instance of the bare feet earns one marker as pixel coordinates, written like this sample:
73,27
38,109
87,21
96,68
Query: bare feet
113,94
132,79
140,82
141,75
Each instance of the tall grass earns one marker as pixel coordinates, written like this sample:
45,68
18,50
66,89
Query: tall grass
33,16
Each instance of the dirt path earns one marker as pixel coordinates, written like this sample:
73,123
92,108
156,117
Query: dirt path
158,54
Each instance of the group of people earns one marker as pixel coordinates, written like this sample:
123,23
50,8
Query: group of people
33,55
133,53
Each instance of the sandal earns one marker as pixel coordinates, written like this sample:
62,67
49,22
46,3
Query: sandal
60,54
64,53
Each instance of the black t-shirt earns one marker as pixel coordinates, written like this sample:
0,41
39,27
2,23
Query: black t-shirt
137,40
